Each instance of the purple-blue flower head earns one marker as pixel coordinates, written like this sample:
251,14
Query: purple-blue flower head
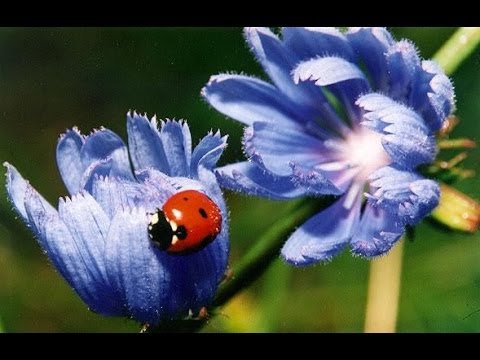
98,237
351,114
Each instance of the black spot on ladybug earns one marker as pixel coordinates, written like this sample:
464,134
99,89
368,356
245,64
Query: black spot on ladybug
181,232
185,199
203,213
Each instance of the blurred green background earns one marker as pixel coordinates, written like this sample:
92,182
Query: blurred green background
54,78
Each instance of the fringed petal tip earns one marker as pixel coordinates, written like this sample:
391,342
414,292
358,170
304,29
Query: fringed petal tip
252,35
311,255
74,130
404,193
16,187
208,152
251,179
324,235
69,158
326,71
314,182
377,232
432,95
165,146
370,249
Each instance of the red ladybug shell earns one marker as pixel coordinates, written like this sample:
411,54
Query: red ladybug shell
189,220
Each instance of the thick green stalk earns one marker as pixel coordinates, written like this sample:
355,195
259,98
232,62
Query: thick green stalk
384,291
460,45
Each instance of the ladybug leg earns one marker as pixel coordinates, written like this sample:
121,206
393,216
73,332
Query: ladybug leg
203,313
145,328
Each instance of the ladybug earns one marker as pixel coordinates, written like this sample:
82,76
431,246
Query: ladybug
188,221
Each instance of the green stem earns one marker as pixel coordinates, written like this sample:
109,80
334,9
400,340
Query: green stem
273,295
266,249
460,45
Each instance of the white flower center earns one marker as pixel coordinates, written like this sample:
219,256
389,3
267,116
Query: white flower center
355,158
363,150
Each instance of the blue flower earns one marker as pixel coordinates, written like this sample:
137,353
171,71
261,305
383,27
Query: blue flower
349,113
98,238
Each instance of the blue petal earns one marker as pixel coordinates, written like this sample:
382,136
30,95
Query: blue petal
248,100
314,182
371,45
158,285
158,180
136,269
408,146
375,102
144,144
195,277
381,110
250,179
69,160
16,188
177,144
115,195
277,147
57,241
426,196
324,235
327,71
408,140
88,225
311,42
278,61
432,95
105,144
199,274
207,152
212,189
342,77
102,167
405,193
218,250
183,183
111,195
378,231
403,63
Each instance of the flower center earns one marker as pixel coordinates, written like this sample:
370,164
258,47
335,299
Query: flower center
364,152
357,156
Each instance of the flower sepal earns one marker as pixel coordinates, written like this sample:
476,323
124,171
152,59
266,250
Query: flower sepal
456,210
